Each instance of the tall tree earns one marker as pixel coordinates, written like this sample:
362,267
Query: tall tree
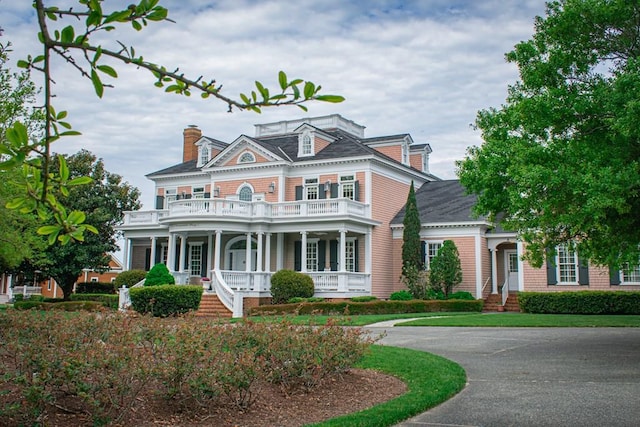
411,249
561,158
104,200
74,31
445,270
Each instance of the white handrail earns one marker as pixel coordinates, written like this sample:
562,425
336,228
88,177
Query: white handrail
505,292
485,285
229,298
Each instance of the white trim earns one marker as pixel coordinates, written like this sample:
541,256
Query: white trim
478,257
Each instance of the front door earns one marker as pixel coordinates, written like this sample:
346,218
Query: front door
511,266
237,259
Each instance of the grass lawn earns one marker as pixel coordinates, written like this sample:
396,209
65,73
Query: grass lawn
359,320
529,320
430,381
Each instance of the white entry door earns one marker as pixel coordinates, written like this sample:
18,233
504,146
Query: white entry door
511,267
237,260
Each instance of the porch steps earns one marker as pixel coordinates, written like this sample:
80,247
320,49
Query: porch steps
492,302
210,306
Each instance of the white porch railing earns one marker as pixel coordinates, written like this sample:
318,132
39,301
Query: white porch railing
229,298
505,292
124,298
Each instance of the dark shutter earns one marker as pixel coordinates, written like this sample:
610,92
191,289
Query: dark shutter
179,197
187,196
159,202
158,255
203,260
147,259
333,255
176,261
298,192
356,191
551,270
297,257
356,255
614,277
334,190
321,193
583,271
423,252
207,195
322,255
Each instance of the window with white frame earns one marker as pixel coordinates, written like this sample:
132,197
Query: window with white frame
567,265
247,157
348,187
425,162
94,279
405,153
197,192
431,250
312,255
170,194
630,275
305,144
113,279
350,254
195,259
245,194
204,155
163,253
311,189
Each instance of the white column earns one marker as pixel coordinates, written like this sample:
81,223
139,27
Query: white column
519,251
478,266
303,252
259,260
267,254
279,251
218,251
494,271
248,254
209,253
152,257
125,254
171,252
343,250
368,256
183,252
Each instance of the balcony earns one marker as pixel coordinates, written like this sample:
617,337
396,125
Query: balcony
251,211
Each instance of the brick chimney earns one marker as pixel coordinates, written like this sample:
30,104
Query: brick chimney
189,150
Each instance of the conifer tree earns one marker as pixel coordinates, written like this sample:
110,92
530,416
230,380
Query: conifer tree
411,250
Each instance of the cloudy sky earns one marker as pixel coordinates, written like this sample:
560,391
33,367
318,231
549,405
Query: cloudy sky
418,67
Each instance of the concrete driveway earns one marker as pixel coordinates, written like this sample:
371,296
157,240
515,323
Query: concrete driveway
533,376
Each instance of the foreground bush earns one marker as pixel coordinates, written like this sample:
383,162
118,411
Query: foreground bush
372,307
95,288
580,302
59,306
159,275
98,364
166,300
287,284
110,301
129,278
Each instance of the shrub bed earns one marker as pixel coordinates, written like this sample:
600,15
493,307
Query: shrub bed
110,301
98,365
580,302
165,300
372,307
59,306
95,288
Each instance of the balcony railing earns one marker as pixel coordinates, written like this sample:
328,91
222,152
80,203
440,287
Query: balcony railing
221,208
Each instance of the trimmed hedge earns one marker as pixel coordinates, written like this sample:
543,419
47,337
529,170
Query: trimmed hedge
372,307
580,302
110,301
95,288
129,278
63,306
401,296
166,300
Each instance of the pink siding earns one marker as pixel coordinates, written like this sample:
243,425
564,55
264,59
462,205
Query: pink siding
234,159
260,185
535,280
415,160
393,151
319,144
290,190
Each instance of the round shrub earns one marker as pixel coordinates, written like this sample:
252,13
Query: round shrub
159,275
129,278
401,296
287,284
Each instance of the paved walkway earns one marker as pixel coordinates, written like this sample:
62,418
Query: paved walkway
532,376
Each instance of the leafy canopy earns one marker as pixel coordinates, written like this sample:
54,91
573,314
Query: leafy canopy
445,270
69,34
560,160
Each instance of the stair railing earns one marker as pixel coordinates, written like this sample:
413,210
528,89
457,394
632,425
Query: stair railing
505,292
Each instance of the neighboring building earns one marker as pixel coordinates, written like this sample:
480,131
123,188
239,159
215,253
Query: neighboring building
315,195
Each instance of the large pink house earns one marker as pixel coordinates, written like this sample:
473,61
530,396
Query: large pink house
315,195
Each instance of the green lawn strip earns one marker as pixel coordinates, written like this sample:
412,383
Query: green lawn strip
354,320
530,320
430,380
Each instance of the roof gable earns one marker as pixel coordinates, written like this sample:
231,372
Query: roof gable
244,144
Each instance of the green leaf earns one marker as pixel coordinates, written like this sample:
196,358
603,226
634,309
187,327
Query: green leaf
136,25
263,91
97,83
22,64
70,133
91,228
245,98
67,34
309,90
81,180
282,79
17,135
48,229
108,70
330,98
64,239
119,16
15,203
302,107
64,169
76,217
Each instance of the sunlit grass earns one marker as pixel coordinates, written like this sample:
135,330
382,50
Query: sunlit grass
530,320
353,320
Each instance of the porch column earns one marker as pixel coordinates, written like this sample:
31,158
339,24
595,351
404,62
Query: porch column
152,256
279,251
248,254
343,250
183,252
125,254
171,252
478,249
209,253
519,251
303,252
217,254
267,254
260,254
494,271
368,254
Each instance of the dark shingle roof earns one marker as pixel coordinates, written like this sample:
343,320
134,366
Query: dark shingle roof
442,202
189,166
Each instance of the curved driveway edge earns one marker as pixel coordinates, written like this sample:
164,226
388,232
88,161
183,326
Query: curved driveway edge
532,376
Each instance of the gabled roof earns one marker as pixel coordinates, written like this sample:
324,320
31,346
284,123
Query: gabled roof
442,202
185,167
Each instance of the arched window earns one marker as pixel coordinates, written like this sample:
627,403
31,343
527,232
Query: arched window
245,193
204,155
247,157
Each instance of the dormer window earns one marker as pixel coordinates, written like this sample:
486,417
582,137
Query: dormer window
405,153
204,155
425,162
247,157
305,144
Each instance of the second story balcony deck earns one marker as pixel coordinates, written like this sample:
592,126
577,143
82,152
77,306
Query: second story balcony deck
221,209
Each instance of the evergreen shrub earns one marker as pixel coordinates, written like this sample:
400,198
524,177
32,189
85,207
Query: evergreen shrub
95,288
580,302
129,278
287,284
159,275
401,296
166,300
